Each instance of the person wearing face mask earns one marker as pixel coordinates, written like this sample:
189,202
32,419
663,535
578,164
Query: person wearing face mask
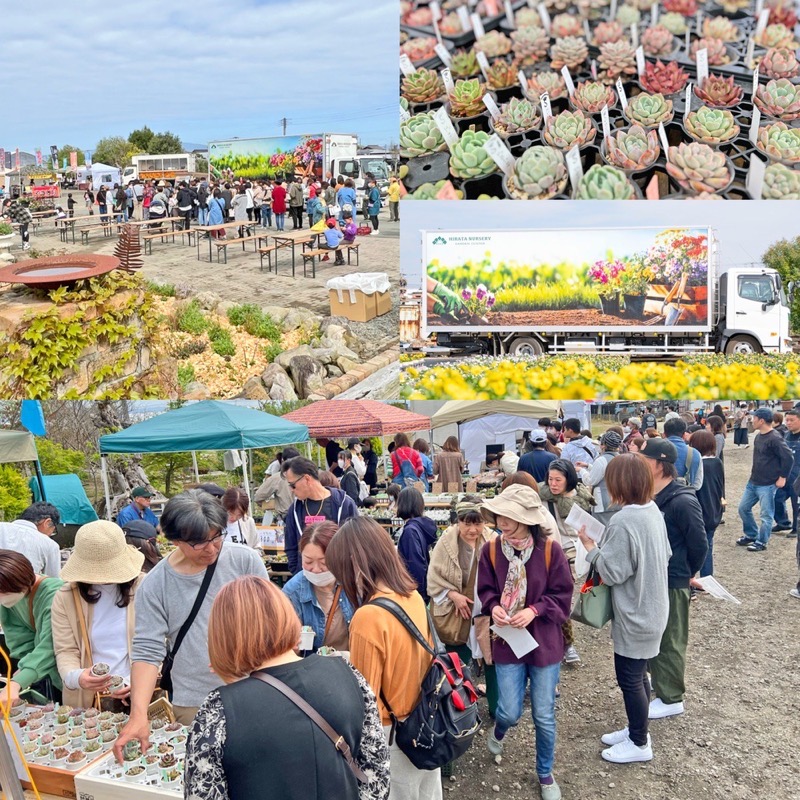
241,526
417,536
359,465
25,603
316,598
349,482
524,581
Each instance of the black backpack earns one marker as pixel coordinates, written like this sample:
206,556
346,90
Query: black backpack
443,723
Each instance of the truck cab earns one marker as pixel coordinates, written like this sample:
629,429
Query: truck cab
357,168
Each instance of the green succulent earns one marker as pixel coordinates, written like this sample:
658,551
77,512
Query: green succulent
466,99
649,109
569,128
603,182
420,136
539,173
550,82
780,141
530,45
781,183
422,86
501,75
712,125
568,51
635,148
428,191
779,98
592,96
698,168
628,15
674,22
464,63
494,44
468,158
516,116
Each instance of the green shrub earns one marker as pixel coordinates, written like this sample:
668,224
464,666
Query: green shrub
15,496
255,321
58,460
185,375
272,350
221,342
5,229
191,319
161,289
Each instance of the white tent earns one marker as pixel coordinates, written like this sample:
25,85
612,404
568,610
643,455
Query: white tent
104,175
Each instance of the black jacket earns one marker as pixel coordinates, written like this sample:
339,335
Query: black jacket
351,485
710,494
686,531
772,459
416,539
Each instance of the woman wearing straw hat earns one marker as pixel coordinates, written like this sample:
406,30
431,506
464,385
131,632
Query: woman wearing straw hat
93,613
524,582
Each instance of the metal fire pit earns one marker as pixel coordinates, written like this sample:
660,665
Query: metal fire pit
50,273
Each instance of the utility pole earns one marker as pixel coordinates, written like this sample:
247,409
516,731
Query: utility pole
284,122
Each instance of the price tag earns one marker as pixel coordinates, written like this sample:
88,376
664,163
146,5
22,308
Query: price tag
635,35
406,67
574,166
748,59
640,65
763,19
606,122
699,28
612,14
593,68
509,13
499,153
568,80
447,80
523,81
436,11
489,102
755,177
621,92
443,53
662,134
444,124
759,8
702,65
547,109
587,31
687,100
463,18
755,124
404,115
544,15
477,25
755,82
688,42
483,63
654,15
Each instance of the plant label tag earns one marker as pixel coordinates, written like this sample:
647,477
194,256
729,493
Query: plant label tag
442,52
406,67
437,31
500,154
547,109
436,11
477,25
606,122
755,82
509,13
404,115
483,63
763,19
523,81
654,15
444,124
463,17
574,166
748,58
568,80
489,102
754,124
651,193
612,13
587,31
755,177
634,35
640,65
544,15
688,42
662,134
621,92
447,80
702,65
594,69
759,8
687,100
699,22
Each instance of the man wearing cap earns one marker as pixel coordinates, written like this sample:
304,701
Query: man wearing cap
689,465
772,463
577,447
30,535
686,531
594,476
536,461
649,419
138,508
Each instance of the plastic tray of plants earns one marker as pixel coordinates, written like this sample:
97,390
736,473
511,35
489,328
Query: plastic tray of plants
615,123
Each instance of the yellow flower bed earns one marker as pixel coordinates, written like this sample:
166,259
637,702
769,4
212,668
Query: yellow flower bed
582,378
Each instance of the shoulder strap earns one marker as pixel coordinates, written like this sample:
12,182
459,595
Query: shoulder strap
493,551
334,606
397,611
548,553
588,451
37,583
689,458
81,621
338,741
198,601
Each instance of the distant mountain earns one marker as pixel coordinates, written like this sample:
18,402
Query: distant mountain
190,147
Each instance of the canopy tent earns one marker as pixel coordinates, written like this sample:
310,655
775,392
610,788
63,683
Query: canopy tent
207,425
459,411
336,418
104,175
17,446
67,494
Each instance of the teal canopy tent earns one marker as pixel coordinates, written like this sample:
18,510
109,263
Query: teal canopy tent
67,494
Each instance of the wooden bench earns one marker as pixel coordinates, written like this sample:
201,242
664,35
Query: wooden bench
352,247
268,251
222,245
149,237
85,231
311,255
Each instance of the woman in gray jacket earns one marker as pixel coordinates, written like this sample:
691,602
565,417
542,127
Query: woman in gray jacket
632,559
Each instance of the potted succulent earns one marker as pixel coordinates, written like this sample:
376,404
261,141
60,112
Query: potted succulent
714,126
422,87
777,35
464,64
628,15
92,746
565,25
420,48
502,79
516,118
171,777
529,45
721,28
569,51
780,142
610,31
604,182
649,110
779,62
592,97
779,99
687,8
616,59
539,174
468,159
719,54
466,102
781,183
718,91
493,44
675,23
631,150
605,275
430,191
569,128
659,41
697,168
135,773
547,81
75,760
164,748
666,79
420,136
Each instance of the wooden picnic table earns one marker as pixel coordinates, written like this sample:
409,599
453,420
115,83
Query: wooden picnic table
206,230
289,239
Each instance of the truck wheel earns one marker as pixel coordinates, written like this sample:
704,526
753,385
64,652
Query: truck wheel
526,346
742,345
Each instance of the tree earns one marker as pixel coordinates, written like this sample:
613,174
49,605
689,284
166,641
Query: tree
784,256
63,152
58,460
115,151
15,496
165,142
201,164
141,138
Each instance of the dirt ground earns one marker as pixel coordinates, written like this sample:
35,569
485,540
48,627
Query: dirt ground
739,736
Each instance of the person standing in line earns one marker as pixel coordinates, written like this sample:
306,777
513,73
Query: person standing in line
241,526
279,204
296,204
649,419
536,461
88,199
186,201
741,420
709,495
688,465
772,464
393,196
417,536
30,534
250,205
593,477
147,199
716,425
138,508
788,491
227,196
350,483
346,200
371,464
373,205
216,214
449,465
578,447
240,209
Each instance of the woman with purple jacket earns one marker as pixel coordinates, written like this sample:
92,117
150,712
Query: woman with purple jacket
524,581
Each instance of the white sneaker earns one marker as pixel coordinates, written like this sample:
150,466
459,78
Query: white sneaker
495,746
614,738
794,593
571,655
26,247
374,233
626,752
659,709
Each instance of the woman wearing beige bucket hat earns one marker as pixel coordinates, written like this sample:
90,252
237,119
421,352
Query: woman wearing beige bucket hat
93,613
524,581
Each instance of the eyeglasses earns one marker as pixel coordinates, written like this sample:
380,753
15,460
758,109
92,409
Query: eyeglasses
213,540
292,484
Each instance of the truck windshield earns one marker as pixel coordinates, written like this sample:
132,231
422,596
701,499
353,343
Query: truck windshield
378,167
759,288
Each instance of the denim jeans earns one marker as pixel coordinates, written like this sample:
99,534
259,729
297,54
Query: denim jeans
280,220
266,217
783,494
511,682
708,564
765,496
202,216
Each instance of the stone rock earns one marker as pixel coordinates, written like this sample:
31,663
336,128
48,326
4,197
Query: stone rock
223,306
285,358
254,389
278,313
301,319
333,371
271,373
308,375
347,364
282,388
208,300
196,391
336,329
323,354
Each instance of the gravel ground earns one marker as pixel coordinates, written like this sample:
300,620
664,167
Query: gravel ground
739,736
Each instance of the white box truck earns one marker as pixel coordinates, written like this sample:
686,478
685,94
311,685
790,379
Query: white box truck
171,167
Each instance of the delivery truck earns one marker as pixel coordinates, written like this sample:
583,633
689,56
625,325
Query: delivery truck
655,292
172,167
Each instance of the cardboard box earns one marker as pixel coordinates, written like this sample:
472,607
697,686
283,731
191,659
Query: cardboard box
355,305
384,303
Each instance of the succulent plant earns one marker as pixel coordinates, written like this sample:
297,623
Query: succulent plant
777,36
493,44
635,148
550,82
591,96
557,5
717,52
468,159
569,51
420,136
592,9
779,62
616,59
569,128
644,5
780,141
628,15
688,8
721,28
464,64
719,92
419,48
648,110
501,75
698,168
603,182
711,125
675,23
418,17
658,41
530,45
527,17
565,25
779,98
539,173
605,32
780,183
466,99
517,116
781,12
450,24
734,6
422,86
662,78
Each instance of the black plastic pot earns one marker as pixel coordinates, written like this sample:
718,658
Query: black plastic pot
491,185
634,305
610,305
427,169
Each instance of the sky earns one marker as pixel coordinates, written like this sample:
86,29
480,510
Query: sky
205,70
745,229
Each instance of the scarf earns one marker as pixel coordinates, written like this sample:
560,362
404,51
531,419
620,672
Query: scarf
515,590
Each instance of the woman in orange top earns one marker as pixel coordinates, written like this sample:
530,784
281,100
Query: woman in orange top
366,564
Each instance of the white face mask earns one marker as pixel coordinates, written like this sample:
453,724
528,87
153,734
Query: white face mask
11,599
319,578
357,448
341,463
